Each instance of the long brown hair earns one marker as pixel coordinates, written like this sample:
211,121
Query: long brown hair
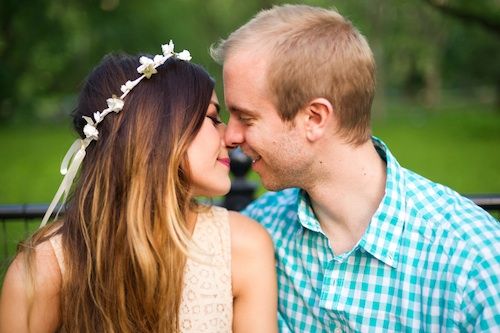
124,231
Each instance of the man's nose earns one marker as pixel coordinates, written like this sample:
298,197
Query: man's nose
234,135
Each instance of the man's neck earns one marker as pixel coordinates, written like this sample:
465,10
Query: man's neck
348,194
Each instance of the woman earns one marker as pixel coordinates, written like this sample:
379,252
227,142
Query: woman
134,252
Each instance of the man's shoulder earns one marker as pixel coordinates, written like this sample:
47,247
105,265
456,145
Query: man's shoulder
433,200
451,219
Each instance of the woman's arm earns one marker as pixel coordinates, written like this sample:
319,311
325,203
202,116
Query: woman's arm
254,277
24,310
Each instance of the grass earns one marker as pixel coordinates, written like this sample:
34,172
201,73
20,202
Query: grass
31,157
459,148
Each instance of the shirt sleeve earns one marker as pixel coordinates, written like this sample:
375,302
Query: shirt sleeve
481,301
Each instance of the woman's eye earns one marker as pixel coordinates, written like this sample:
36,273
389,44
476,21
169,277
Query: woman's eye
215,119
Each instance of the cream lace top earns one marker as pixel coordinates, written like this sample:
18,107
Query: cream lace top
207,298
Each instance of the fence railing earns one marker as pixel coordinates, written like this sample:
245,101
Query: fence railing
235,200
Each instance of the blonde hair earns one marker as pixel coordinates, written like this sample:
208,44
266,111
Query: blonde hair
124,232
314,52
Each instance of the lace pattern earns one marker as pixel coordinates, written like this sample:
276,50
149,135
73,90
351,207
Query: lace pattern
207,299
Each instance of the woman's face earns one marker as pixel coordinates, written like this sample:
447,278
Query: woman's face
208,156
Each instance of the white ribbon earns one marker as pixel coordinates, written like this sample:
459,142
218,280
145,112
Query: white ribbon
69,168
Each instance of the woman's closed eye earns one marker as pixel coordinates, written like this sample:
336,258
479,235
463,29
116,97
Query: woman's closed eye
215,119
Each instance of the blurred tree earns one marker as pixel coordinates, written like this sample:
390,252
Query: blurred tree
485,13
33,50
405,39
422,54
474,46
48,46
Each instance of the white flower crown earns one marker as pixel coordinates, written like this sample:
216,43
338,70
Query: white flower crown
76,152
147,69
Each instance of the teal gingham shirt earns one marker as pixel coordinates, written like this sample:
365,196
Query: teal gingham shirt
428,262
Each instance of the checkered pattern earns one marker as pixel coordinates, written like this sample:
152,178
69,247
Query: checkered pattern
428,262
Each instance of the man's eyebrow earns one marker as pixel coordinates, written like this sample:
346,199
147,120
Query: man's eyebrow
237,109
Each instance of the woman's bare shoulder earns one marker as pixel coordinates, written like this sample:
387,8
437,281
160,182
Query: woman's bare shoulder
247,234
30,293
44,271
253,276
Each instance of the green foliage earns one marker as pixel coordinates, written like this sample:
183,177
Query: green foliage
484,13
48,47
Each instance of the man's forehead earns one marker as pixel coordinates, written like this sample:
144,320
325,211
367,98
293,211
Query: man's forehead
250,58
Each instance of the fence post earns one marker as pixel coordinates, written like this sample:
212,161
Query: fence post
242,190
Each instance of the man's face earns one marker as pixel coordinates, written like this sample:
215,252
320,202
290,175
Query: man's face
254,123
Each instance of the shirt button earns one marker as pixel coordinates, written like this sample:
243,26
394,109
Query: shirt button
338,330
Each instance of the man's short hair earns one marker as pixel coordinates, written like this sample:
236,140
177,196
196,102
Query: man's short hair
313,52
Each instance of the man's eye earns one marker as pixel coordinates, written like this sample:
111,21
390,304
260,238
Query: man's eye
215,119
245,120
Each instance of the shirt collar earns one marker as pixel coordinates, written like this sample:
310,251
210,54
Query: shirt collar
306,214
382,237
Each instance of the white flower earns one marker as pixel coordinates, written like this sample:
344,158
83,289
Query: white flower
147,68
115,104
128,86
159,60
89,130
168,49
184,55
97,117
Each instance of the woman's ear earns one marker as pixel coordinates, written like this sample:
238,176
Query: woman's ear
318,115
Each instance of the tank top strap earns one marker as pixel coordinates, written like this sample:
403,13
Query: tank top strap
56,243
212,228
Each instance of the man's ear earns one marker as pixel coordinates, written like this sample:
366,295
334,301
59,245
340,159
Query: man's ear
318,115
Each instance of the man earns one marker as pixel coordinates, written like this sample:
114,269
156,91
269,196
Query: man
362,244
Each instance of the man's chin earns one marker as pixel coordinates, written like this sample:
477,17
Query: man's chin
272,184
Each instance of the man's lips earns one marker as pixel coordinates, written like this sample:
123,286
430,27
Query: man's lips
252,156
225,161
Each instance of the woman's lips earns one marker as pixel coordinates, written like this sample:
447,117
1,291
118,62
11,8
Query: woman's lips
225,161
